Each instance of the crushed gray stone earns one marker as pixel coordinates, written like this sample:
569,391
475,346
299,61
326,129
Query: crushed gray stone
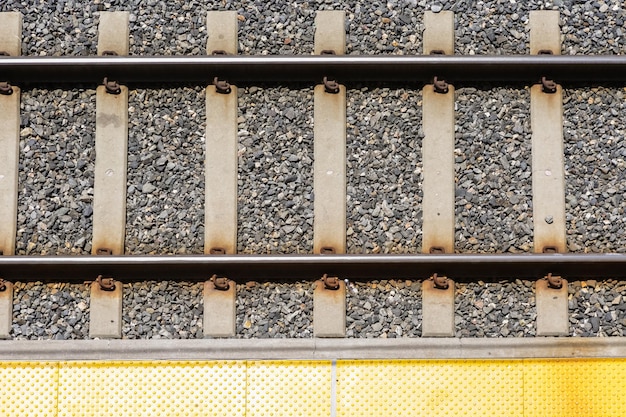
384,309
275,178
495,309
595,181
597,308
493,203
56,172
162,310
50,311
165,195
274,310
384,171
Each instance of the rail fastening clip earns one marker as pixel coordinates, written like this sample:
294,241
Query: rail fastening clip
554,282
548,85
440,86
330,283
221,86
220,283
106,283
5,87
112,87
441,283
331,86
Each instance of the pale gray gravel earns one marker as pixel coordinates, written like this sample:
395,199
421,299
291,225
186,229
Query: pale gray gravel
384,172
50,311
597,308
495,309
274,310
384,309
275,178
595,170
493,204
162,310
166,184
56,171
165,195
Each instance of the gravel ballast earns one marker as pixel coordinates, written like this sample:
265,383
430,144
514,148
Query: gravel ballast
384,169
50,311
56,172
274,310
275,178
493,203
162,310
165,194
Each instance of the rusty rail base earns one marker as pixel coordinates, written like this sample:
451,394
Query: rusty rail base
311,267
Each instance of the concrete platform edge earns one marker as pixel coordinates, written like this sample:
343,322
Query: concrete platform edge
312,349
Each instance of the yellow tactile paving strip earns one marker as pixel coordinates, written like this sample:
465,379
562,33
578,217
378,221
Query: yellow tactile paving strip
527,388
28,389
430,388
277,388
152,389
575,388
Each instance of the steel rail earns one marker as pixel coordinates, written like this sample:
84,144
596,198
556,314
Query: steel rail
311,267
309,68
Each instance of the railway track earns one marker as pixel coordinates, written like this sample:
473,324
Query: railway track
329,167
329,172
447,229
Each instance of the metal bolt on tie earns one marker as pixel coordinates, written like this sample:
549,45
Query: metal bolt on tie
221,86
441,283
436,250
330,86
220,283
104,251
548,86
554,282
327,250
441,86
550,249
3,285
330,283
217,251
106,283
112,87
5,88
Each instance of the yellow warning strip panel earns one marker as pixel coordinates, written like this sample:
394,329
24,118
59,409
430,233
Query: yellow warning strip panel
28,389
288,388
575,388
152,389
430,388
527,388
